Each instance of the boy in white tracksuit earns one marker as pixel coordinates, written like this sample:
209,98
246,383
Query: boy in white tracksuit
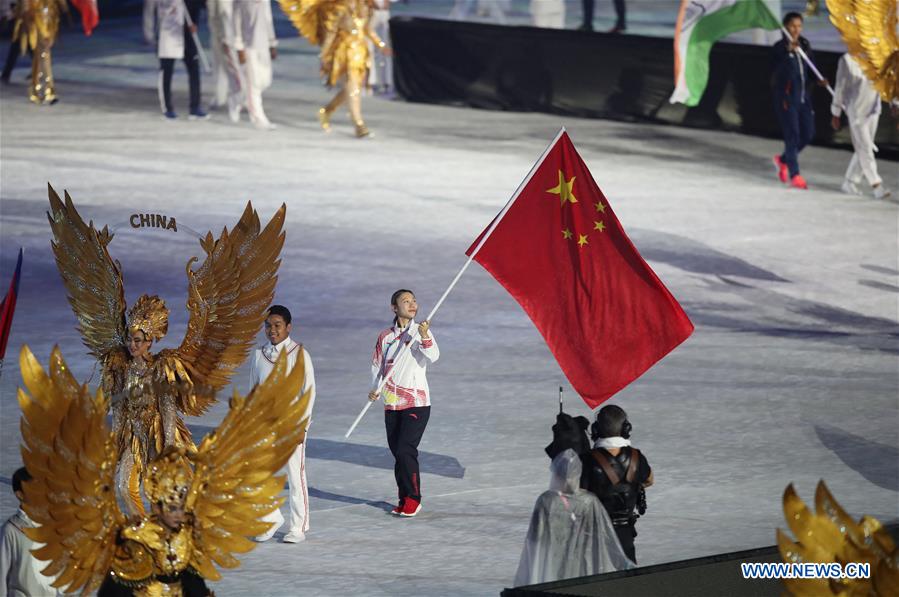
856,95
255,41
277,329
407,398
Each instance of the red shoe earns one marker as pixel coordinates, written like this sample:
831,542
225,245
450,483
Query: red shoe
399,508
783,173
410,508
799,183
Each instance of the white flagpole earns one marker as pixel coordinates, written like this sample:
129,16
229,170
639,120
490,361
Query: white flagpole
807,60
203,59
402,352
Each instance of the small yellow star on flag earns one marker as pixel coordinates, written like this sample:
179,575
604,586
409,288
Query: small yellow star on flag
563,189
599,226
566,234
582,240
600,207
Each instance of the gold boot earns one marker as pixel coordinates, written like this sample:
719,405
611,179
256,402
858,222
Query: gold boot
324,118
362,130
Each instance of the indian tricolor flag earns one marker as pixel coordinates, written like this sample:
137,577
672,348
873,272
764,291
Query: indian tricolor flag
700,23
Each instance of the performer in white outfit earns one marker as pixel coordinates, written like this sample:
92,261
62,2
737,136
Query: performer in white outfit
227,86
855,95
549,14
20,571
256,45
380,77
277,329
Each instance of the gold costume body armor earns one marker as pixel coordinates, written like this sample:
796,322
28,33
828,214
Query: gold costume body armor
343,29
228,296
37,24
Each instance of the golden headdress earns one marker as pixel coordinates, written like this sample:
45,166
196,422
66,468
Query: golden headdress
829,535
169,477
150,316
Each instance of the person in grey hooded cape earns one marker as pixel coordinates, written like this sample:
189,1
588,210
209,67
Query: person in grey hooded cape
570,534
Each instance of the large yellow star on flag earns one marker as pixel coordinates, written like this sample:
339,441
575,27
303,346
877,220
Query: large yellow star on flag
563,189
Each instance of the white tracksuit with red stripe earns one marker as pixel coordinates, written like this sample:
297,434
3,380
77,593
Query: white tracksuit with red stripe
263,362
408,386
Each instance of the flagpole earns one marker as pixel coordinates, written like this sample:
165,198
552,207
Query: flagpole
402,352
190,23
808,61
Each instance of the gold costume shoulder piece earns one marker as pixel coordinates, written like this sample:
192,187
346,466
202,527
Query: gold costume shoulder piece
868,28
228,296
829,535
235,471
313,18
92,279
71,455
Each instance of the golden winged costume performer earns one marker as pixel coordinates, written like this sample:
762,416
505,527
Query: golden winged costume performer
342,28
227,299
204,505
868,28
830,535
36,28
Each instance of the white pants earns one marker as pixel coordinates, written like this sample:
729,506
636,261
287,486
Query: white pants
862,162
382,67
257,77
549,14
297,491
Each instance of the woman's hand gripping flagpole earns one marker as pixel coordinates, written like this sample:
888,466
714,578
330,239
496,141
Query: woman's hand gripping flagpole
404,350
808,61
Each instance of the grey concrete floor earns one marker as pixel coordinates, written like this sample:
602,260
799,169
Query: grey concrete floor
791,375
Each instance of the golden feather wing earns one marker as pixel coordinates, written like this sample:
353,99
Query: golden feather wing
312,18
868,28
830,535
228,296
92,279
71,455
235,478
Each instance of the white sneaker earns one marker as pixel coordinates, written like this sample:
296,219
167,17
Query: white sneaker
274,529
263,124
295,536
849,187
234,108
881,192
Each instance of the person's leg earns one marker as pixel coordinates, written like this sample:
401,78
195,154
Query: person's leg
324,114
392,422
626,538
12,55
298,490
414,421
354,101
806,126
192,62
789,124
863,142
587,7
621,15
166,68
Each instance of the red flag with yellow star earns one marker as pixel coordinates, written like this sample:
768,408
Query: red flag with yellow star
562,254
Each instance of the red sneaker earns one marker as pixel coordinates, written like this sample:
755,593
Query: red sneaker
783,173
410,507
799,183
399,508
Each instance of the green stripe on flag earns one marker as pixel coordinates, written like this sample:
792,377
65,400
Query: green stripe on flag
745,14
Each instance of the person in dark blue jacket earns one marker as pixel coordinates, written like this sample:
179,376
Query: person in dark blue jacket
792,83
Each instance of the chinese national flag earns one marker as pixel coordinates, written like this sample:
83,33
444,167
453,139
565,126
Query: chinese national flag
8,307
562,254
90,14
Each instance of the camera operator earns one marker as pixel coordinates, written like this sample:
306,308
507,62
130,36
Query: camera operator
619,473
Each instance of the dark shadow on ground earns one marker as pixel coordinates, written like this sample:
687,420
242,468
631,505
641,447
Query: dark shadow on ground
876,462
346,499
363,455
